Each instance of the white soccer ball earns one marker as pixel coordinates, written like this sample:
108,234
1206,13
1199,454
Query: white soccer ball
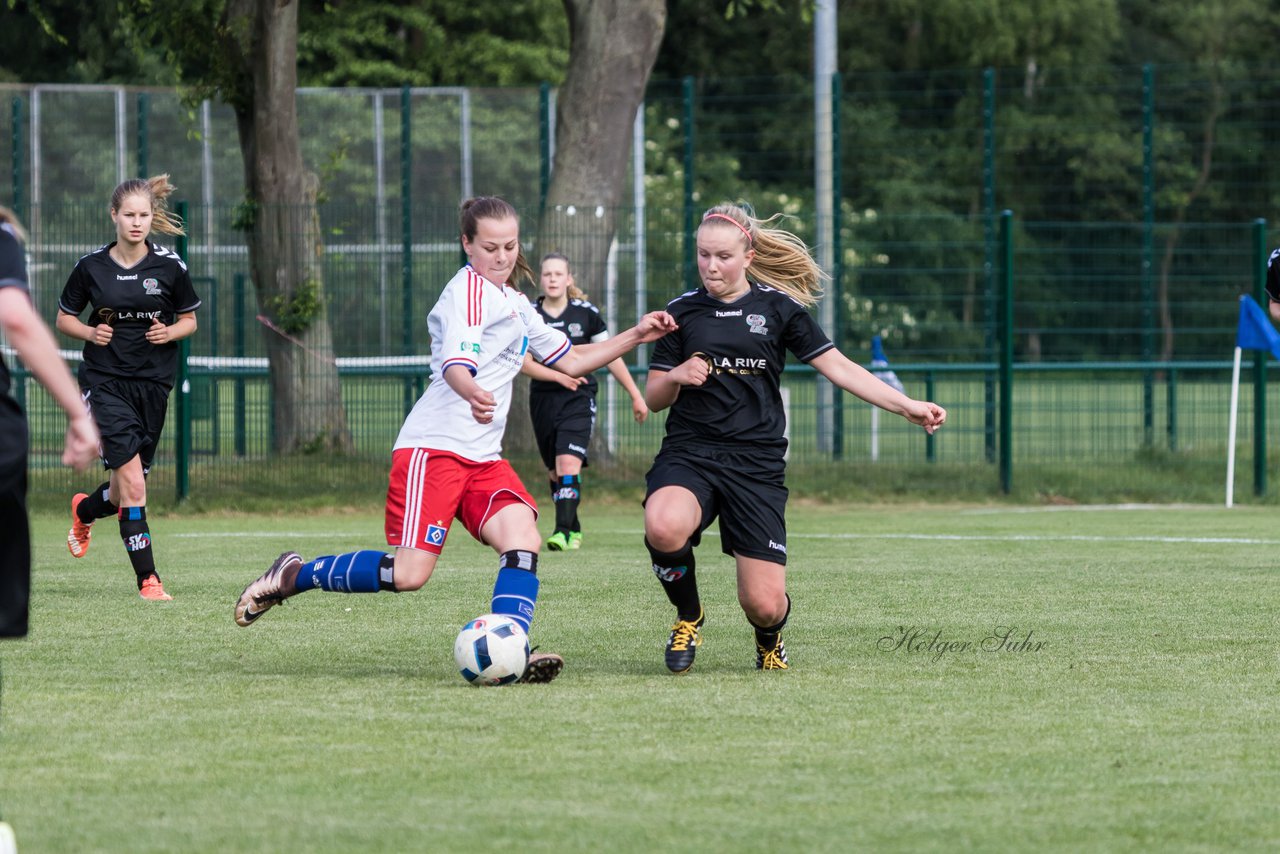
492,649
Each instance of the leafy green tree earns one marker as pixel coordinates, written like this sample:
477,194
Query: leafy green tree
244,52
431,43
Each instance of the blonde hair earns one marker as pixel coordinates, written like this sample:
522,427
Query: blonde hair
573,290
782,260
155,189
9,217
491,207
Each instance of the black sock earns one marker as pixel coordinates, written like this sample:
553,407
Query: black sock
137,542
767,636
575,525
567,496
675,571
96,505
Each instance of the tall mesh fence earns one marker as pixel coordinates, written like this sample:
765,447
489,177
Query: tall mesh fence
1135,193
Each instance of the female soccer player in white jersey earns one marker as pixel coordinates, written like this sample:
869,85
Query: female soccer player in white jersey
723,451
563,408
446,462
141,303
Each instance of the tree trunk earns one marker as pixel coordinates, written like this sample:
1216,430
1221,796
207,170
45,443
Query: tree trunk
283,232
612,47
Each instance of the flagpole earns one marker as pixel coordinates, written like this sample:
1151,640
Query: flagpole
875,433
1231,428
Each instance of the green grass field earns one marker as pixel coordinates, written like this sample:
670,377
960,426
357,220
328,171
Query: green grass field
1144,719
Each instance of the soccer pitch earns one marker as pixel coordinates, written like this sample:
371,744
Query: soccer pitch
980,678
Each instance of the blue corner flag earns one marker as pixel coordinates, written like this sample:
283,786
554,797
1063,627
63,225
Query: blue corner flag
880,364
1255,331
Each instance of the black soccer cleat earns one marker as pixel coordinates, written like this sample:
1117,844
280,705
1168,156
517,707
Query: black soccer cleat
683,644
772,658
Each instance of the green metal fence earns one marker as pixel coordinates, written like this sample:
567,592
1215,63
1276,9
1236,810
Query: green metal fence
1137,192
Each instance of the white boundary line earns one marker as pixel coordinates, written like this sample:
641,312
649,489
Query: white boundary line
1014,538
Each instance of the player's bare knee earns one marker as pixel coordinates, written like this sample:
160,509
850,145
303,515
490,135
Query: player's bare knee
665,537
763,608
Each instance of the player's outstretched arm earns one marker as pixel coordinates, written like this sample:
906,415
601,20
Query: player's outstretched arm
861,383
585,358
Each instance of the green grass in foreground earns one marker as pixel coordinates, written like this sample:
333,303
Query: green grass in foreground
1145,720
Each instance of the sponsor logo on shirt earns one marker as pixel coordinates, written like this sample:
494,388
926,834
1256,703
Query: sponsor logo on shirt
737,313
132,277
118,316
738,365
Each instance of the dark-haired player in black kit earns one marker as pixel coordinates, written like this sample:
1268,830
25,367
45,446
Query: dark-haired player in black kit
141,303
723,452
563,408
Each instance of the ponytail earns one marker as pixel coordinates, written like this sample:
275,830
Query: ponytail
782,260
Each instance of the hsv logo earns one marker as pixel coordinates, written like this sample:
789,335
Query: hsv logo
670,573
435,535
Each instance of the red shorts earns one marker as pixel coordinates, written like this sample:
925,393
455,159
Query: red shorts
429,489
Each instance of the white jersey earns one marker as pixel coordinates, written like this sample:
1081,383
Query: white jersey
485,328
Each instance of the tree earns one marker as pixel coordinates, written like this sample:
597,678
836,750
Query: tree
612,48
245,52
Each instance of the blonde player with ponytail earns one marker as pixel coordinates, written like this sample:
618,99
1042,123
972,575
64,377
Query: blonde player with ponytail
723,454
140,303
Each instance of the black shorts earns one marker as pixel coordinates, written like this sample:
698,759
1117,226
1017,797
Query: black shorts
745,489
15,545
130,416
562,423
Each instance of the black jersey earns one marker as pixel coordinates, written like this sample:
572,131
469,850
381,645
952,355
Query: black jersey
13,434
13,274
745,343
582,324
128,299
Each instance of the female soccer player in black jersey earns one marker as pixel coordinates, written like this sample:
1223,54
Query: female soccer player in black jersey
723,451
141,303
34,343
563,408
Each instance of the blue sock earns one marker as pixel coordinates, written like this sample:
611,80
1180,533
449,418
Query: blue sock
353,572
516,590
